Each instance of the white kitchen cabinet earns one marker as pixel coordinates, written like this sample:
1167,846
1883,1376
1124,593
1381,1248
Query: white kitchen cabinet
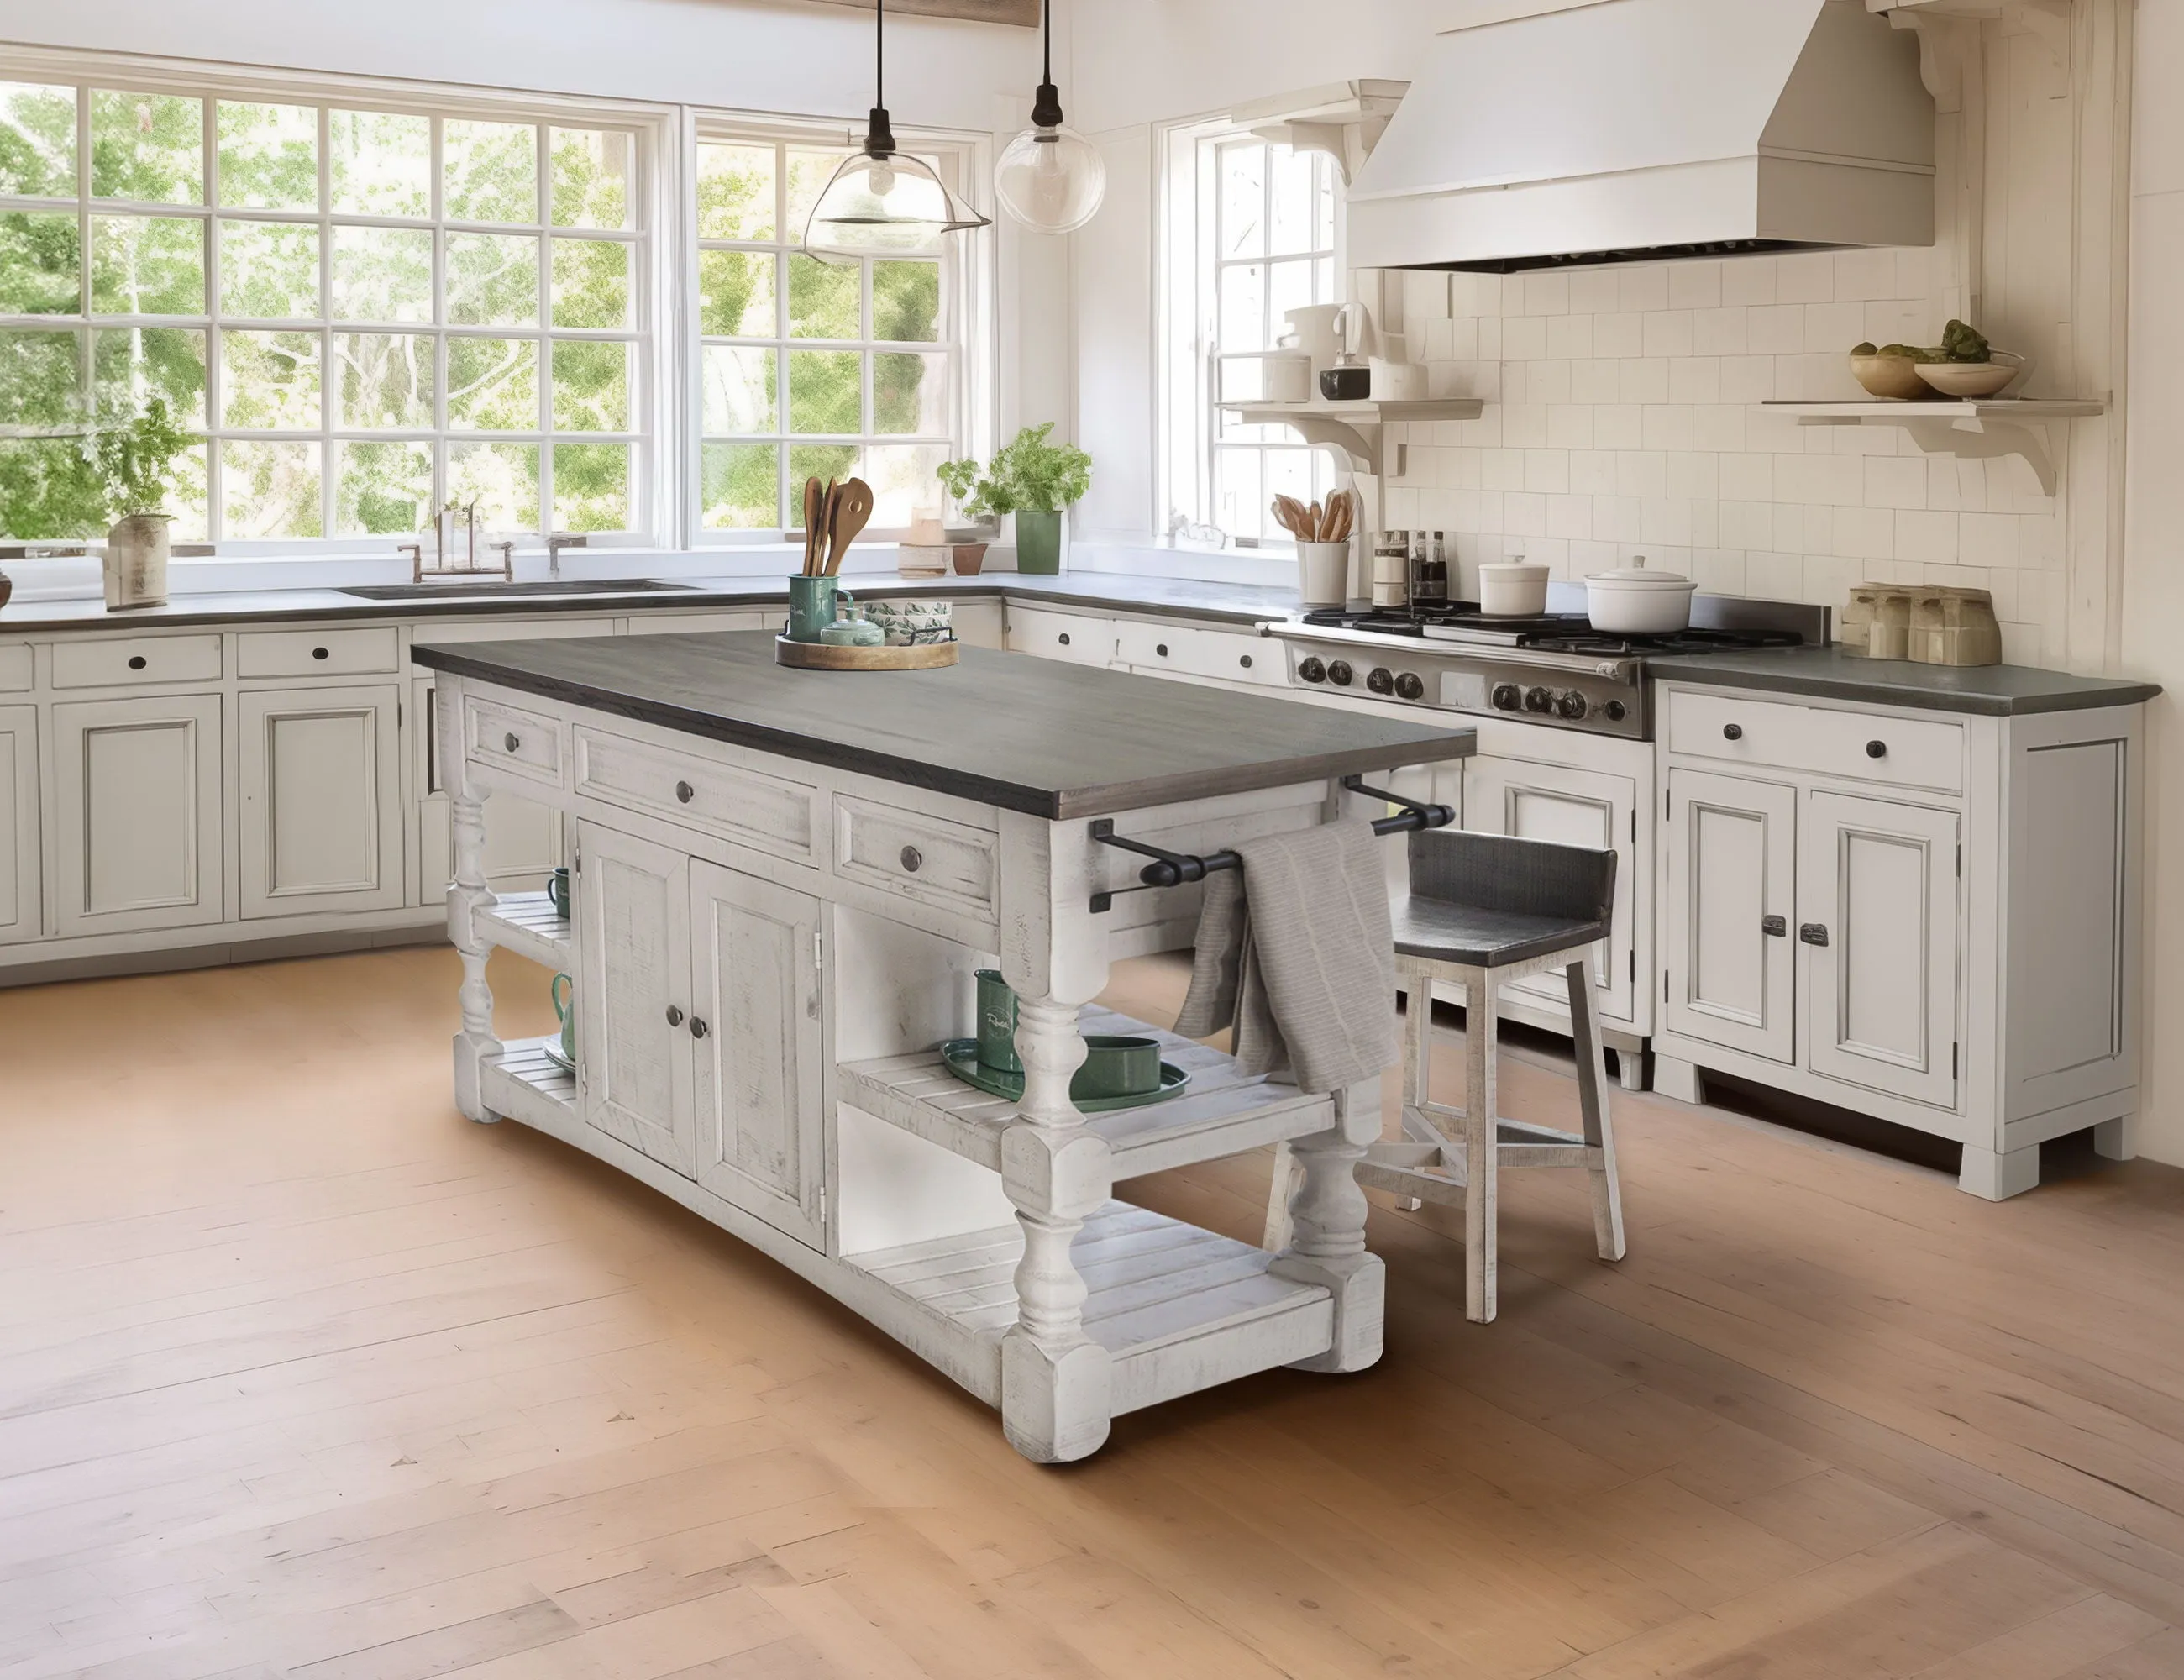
1728,900
632,995
137,821
21,911
321,806
755,985
523,842
1877,927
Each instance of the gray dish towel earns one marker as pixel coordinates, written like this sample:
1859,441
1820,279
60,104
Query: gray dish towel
1295,950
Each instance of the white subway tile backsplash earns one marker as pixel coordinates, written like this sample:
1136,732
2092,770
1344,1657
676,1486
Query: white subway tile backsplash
1569,336
1718,426
1596,381
1646,380
1695,286
1695,379
1775,329
1523,338
1667,425
1894,481
1719,332
1865,274
1619,425
1570,426
1667,333
1748,280
1640,288
1925,536
1619,335
1805,277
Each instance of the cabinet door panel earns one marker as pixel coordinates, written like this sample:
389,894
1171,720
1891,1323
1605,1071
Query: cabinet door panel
137,783
1880,880
21,912
321,801
522,837
633,967
760,1133
1572,808
1732,876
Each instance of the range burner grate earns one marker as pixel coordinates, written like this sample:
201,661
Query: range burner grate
1547,633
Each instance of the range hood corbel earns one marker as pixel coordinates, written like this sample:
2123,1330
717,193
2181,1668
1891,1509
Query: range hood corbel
1344,119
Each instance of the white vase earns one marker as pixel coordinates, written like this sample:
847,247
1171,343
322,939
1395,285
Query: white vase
136,561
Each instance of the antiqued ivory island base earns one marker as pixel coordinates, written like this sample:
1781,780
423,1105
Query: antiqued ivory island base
783,882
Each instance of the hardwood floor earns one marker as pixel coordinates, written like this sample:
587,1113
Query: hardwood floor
301,1375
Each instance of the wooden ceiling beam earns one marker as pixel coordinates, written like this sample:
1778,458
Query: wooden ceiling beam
1022,13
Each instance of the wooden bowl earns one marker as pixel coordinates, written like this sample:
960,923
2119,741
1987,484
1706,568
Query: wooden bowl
1894,378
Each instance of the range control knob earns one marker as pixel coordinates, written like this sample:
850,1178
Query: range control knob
1380,680
1539,700
1312,670
1572,705
1507,697
1616,710
1339,674
1410,687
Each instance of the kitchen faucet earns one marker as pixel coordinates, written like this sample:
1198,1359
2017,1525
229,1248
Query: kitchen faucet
554,545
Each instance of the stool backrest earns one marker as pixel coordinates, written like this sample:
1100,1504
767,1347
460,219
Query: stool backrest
1521,878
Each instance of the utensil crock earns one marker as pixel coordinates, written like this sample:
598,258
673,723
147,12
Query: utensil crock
814,603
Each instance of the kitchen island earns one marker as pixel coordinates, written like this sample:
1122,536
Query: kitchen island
783,882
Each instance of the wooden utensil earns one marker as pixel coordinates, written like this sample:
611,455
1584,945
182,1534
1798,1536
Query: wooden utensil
852,512
813,505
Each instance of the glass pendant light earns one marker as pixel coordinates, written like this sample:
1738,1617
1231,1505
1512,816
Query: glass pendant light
883,202
1051,178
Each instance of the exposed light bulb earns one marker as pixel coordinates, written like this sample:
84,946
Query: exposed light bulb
1051,178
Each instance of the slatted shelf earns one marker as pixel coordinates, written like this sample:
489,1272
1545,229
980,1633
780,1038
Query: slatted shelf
1155,1285
524,1083
527,924
1225,1112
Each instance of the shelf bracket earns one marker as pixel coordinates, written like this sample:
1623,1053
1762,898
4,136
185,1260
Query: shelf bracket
1983,440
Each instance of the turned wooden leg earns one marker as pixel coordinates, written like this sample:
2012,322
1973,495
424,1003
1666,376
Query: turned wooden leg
468,896
1055,1385
1592,1101
1280,1189
1481,1215
1328,1244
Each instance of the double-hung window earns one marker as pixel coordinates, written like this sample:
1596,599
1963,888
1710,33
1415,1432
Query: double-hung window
808,369
365,309
1252,233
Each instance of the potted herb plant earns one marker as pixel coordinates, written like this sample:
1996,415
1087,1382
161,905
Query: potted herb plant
1031,478
134,461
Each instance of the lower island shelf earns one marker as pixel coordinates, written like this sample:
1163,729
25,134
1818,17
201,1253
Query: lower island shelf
519,1080
1178,1309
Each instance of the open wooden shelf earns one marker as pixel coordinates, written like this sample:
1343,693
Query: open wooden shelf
1154,1283
527,924
522,1082
1225,1112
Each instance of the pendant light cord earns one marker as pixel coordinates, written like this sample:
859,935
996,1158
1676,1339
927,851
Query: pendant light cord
1046,111
879,56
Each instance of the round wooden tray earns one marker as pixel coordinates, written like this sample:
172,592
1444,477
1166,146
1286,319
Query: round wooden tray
818,656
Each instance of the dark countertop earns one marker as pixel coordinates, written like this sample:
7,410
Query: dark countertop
1221,603
1056,740
1831,674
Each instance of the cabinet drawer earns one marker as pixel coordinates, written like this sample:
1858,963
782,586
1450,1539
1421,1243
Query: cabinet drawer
519,741
1228,655
762,812
926,857
1078,637
315,653
1912,752
15,667
135,659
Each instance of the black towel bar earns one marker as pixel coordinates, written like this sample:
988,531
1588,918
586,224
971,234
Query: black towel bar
1173,869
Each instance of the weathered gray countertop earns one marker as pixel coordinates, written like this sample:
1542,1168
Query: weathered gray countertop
1056,740
1831,674
1185,597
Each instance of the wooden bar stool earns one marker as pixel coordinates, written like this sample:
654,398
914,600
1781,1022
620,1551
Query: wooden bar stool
1485,909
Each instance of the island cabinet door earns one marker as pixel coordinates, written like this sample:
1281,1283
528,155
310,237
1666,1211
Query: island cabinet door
761,1141
632,995
1877,927
1732,885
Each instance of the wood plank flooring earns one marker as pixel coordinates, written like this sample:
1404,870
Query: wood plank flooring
302,1376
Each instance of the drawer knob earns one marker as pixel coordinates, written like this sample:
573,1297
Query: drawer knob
510,743
674,1016
319,652
1774,926
912,859
1812,933
137,662
685,792
698,1027
1063,638
1161,649
1876,749
1245,662
1732,731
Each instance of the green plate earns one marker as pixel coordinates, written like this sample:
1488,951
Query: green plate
960,1057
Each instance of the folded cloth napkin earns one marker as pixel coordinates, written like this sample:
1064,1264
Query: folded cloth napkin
1295,951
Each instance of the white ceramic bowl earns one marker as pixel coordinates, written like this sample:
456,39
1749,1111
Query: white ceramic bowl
1513,588
1634,601
1974,379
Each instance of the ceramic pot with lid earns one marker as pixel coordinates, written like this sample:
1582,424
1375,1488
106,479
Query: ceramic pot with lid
1637,601
1512,587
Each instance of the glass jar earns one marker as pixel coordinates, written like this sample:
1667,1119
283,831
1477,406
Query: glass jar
1428,572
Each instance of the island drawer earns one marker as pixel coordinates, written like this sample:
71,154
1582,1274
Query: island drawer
1078,637
316,652
108,664
1863,746
508,738
14,666
1228,655
763,812
928,858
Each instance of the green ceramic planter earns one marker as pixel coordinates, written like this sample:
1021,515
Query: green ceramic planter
1038,543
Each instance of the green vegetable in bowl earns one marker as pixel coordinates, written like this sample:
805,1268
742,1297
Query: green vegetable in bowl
1960,342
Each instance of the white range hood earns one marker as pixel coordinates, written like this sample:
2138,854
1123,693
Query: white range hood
1623,130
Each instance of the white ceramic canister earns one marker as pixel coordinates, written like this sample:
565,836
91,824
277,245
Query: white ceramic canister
1512,589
